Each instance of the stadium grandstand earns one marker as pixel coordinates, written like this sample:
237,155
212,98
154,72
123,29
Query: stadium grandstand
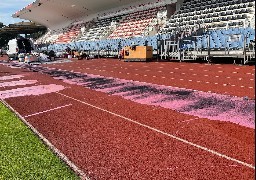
176,29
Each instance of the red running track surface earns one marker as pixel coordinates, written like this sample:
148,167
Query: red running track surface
109,137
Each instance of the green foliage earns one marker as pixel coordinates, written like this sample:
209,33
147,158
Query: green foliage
23,155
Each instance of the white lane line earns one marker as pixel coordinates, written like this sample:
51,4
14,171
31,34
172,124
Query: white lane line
193,119
164,133
47,110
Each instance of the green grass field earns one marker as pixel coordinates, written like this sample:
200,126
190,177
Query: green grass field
23,155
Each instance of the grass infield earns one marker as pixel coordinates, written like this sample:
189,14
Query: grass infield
23,155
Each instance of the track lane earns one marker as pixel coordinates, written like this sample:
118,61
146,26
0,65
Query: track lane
200,131
113,148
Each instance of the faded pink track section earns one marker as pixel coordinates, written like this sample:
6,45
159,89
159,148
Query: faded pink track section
108,147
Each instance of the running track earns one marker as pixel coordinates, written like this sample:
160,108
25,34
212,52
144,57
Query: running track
110,137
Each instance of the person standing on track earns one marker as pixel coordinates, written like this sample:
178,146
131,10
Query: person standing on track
121,54
1,52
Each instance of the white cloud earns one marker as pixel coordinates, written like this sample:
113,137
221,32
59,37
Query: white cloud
9,7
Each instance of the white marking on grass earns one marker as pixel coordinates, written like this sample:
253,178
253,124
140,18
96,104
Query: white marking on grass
164,133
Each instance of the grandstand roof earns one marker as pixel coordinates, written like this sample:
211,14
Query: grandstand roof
52,12
22,28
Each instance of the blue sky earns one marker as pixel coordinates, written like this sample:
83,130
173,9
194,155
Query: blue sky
9,7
